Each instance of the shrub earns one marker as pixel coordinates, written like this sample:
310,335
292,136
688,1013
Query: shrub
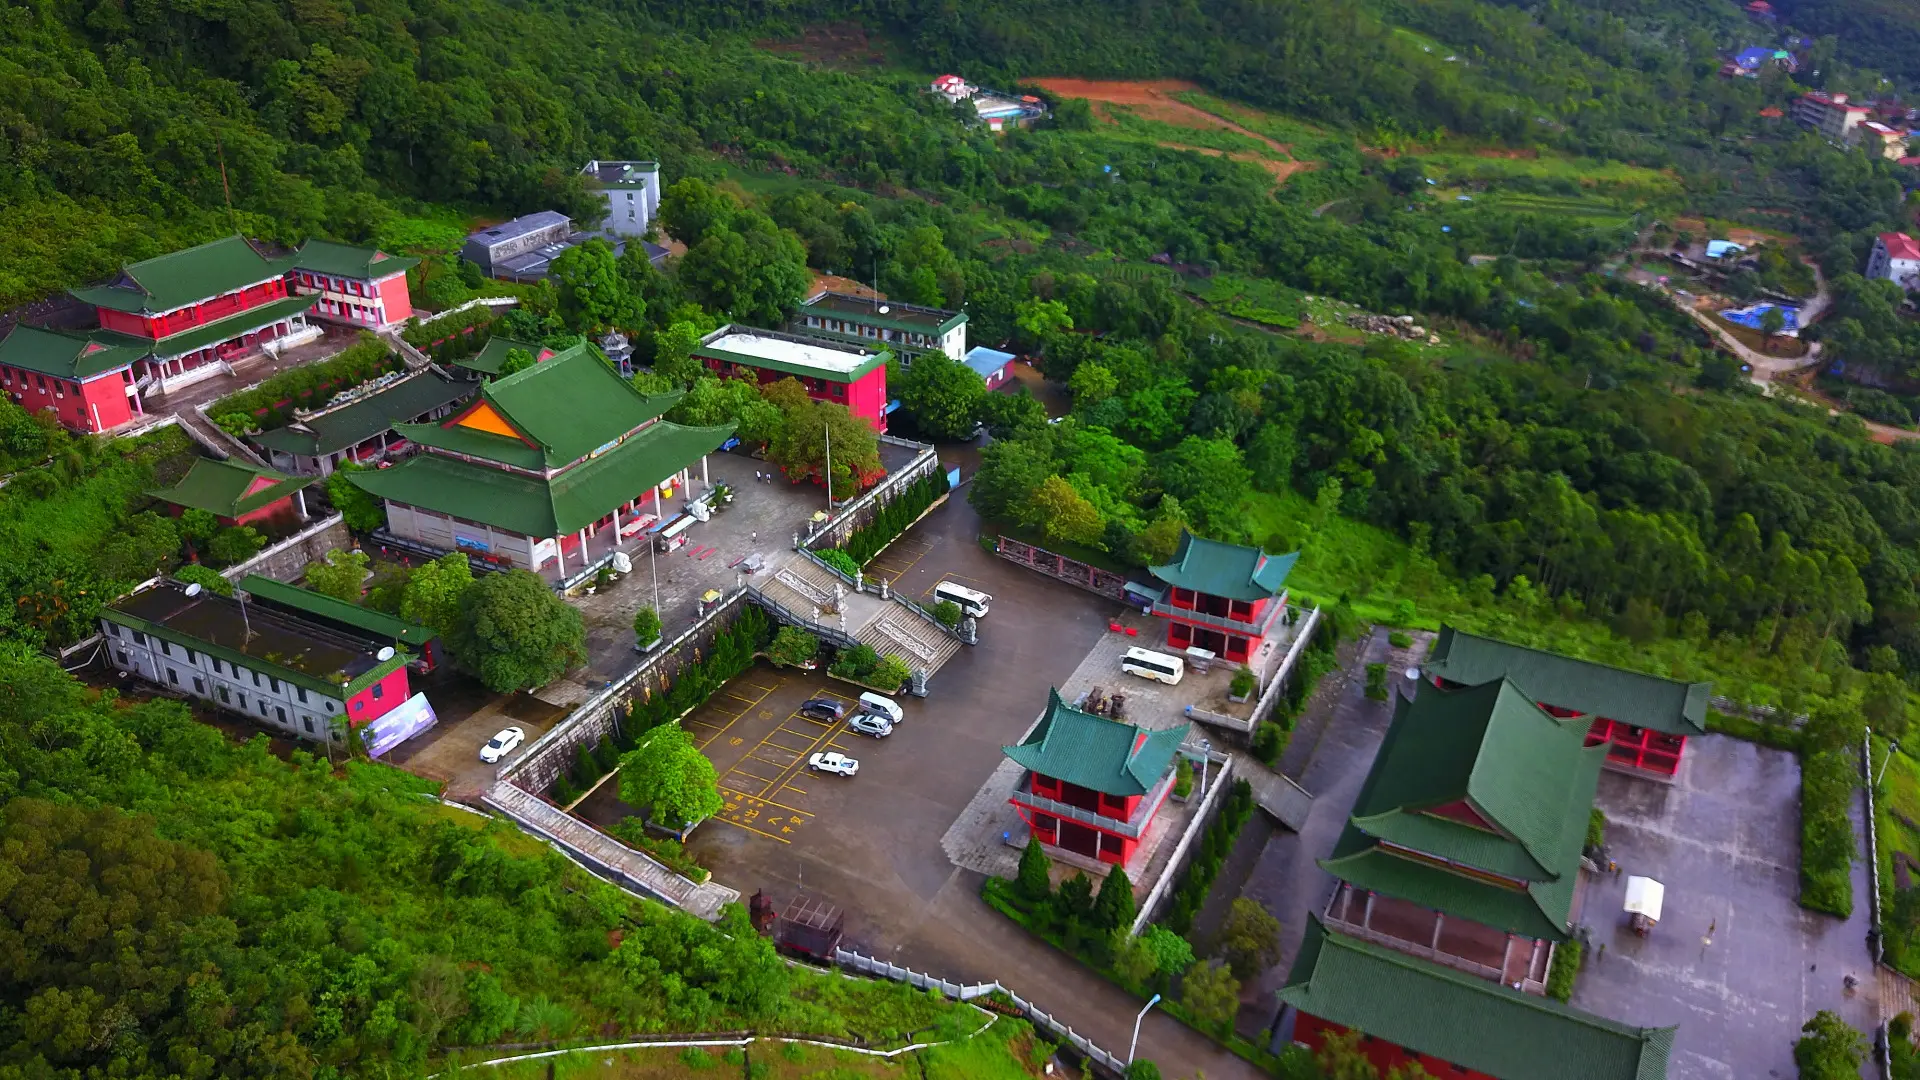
1182,776
948,613
646,626
839,560
1214,845
695,1058
1250,938
893,518
1596,827
194,574
793,647
1243,682
1567,960
1400,639
1034,880
1270,741
564,792
306,386
1141,1070
1377,681
890,674
1211,996
1829,1049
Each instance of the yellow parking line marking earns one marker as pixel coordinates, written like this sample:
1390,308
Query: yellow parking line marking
760,802
795,790
736,717
751,702
755,831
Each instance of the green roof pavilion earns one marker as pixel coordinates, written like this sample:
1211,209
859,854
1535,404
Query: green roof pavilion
349,261
180,278
1468,832
536,464
1096,782
319,437
1645,719
65,356
1233,571
1456,1021
1223,598
236,492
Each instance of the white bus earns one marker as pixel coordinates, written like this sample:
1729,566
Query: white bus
675,535
972,603
1152,665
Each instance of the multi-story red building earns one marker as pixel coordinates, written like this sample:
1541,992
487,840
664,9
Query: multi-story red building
1094,784
840,372
181,317
191,310
355,285
1224,598
1644,719
87,385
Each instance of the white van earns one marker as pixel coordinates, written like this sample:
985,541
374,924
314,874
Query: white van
1152,665
972,603
881,705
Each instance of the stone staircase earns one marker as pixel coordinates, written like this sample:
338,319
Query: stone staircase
902,633
608,857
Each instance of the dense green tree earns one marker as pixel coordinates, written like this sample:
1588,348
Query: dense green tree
363,512
1034,878
692,210
1249,939
793,646
1061,513
434,591
939,396
1211,996
1113,908
341,574
646,626
235,544
754,271
515,634
1828,1049
667,774
593,294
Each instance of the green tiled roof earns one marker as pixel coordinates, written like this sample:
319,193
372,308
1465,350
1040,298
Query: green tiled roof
334,609
351,425
1525,772
1665,705
537,507
1094,752
185,277
220,487
1228,570
215,332
1467,1021
348,261
567,406
493,356
63,356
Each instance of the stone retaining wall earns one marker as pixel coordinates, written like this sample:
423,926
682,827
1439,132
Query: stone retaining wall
288,559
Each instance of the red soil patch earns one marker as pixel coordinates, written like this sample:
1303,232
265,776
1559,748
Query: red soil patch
834,283
1153,99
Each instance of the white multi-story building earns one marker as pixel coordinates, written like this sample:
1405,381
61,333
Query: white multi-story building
632,192
1829,114
303,679
1896,258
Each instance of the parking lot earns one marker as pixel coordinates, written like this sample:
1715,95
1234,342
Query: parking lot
468,714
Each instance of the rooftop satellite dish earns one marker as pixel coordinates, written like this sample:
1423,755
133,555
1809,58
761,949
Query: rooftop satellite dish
622,564
193,589
385,654
1413,673
884,309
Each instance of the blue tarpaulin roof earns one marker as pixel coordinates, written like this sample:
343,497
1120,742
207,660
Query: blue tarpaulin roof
985,361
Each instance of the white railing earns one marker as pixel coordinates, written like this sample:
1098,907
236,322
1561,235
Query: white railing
240,570
967,992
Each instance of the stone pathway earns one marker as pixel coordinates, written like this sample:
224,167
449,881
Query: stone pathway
607,855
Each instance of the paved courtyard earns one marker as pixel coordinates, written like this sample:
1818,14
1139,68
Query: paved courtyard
1725,840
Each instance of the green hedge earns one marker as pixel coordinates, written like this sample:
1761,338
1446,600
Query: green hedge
309,386
1778,736
1826,831
1567,960
472,325
732,653
893,518
1206,863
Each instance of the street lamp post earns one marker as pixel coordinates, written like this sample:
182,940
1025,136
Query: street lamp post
1142,1015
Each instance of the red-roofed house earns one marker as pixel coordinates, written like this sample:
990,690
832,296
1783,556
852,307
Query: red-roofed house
1771,113
1896,258
1829,114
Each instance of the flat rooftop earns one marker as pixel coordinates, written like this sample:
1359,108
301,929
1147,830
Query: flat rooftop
269,638
520,226
792,353
868,309
621,173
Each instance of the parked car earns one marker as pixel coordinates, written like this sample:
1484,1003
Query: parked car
834,762
502,744
868,724
881,705
823,708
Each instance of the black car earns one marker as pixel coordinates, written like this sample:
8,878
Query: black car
821,708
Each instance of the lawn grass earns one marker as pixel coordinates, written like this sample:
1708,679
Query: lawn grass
1255,299
1456,166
